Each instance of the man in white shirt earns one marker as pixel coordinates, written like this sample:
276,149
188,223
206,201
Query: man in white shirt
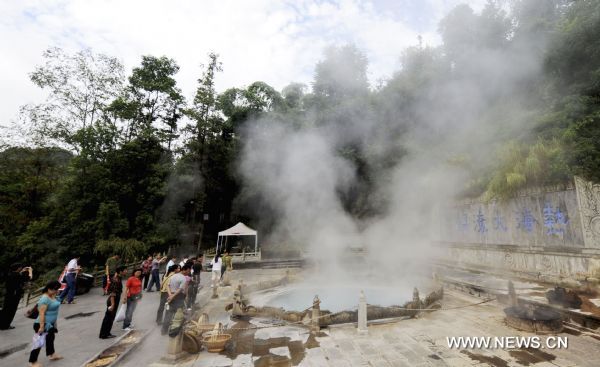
171,262
71,279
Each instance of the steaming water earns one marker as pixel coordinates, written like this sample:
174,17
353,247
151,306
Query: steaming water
333,298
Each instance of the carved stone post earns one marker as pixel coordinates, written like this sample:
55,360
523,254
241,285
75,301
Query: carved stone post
416,299
175,346
286,279
316,312
362,314
512,295
238,302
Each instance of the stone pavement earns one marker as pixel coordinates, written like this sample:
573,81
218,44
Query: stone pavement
411,342
78,327
422,342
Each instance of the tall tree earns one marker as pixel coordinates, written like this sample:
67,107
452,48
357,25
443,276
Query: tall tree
573,69
206,119
28,178
79,86
293,95
341,75
466,35
151,104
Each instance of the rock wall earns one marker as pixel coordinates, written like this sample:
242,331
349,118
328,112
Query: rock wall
550,232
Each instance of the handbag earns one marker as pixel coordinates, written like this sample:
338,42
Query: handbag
33,312
120,314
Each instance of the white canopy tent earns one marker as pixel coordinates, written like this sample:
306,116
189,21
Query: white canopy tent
239,229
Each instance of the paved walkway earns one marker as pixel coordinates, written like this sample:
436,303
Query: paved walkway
78,327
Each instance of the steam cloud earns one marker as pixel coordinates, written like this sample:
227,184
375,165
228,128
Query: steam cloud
300,172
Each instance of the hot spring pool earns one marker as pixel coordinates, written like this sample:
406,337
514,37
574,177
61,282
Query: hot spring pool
333,298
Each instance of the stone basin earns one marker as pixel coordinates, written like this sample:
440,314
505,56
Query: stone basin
538,320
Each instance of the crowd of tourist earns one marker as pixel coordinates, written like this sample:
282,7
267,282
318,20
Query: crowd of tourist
178,289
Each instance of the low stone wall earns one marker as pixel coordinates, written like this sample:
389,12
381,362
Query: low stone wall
545,264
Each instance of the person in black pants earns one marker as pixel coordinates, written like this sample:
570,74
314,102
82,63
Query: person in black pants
146,267
112,303
15,281
164,294
50,351
195,283
48,306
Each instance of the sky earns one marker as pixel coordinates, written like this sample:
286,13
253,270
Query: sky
275,41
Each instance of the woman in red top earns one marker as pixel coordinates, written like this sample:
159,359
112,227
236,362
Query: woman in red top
132,294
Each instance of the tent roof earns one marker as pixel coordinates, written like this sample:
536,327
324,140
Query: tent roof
239,229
